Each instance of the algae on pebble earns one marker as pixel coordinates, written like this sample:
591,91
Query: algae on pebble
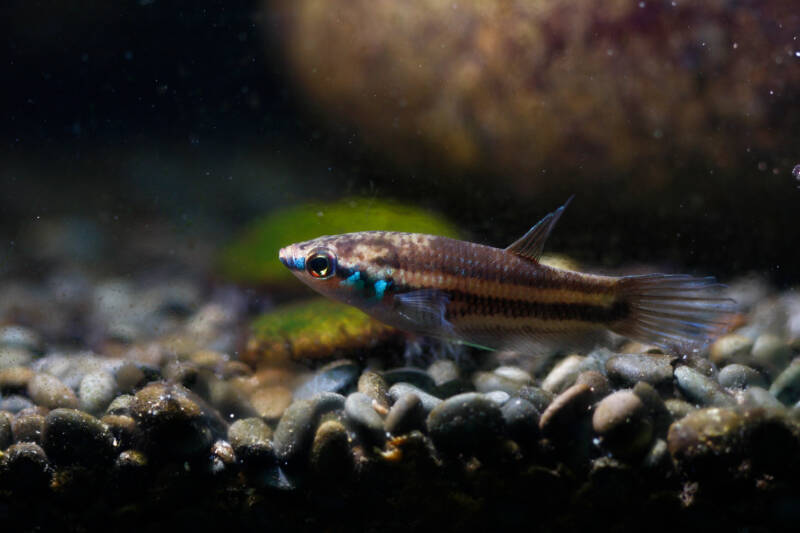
313,329
253,257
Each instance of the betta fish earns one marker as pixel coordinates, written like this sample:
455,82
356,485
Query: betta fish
504,299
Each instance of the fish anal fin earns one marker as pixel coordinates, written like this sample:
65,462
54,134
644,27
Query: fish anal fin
531,245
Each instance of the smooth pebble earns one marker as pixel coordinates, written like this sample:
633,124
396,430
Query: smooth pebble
48,391
465,422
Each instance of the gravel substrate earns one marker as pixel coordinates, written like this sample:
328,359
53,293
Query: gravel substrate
146,418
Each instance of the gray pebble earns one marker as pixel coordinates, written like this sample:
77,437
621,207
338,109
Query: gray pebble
25,466
699,363
406,415
657,457
121,405
515,374
731,348
96,391
358,408
70,369
598,358
15,403
786,387
498,396
20,337
295,430
623,423
759,397
71,436
414,376
489,382
11,356
465,422
540,398
443,371
772,352
48,391
736,376
374,386
701,389
429,402
5,430
521,421
339,377
628,369
565,411
250,438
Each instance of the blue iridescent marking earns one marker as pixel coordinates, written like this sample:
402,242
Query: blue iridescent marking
352,279
380,288
299,263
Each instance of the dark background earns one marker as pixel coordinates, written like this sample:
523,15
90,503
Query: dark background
130,111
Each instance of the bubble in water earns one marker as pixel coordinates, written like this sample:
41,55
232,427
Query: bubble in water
796,172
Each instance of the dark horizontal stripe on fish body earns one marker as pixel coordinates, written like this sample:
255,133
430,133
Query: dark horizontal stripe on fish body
465,304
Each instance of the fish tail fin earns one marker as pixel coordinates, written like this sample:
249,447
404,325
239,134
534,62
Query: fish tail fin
673,311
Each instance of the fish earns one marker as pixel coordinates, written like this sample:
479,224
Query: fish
505,298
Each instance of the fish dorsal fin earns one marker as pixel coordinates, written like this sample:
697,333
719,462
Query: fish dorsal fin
531,244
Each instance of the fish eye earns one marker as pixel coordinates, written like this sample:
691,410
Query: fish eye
321,264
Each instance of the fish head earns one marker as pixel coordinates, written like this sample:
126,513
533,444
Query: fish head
350,268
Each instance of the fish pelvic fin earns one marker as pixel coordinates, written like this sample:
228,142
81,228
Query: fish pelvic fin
673,311
531,245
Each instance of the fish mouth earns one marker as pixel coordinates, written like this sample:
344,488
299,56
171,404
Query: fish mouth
289,258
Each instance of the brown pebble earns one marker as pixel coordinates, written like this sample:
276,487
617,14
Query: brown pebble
124,429
709,434
271,402
596,381
374,386
568,407
207,359
275,376
15,379
128,377
232,369
27,426
623,423
48,391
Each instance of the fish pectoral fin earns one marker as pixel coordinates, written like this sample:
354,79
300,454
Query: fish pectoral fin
531,245
425,310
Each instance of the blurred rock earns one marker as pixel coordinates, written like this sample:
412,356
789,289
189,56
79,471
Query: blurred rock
511,88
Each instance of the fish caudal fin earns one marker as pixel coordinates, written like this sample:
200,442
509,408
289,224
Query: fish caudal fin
672,311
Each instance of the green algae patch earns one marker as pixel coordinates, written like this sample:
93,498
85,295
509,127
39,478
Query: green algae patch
253,257
314,329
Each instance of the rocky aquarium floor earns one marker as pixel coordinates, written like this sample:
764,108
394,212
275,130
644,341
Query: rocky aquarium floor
124,405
